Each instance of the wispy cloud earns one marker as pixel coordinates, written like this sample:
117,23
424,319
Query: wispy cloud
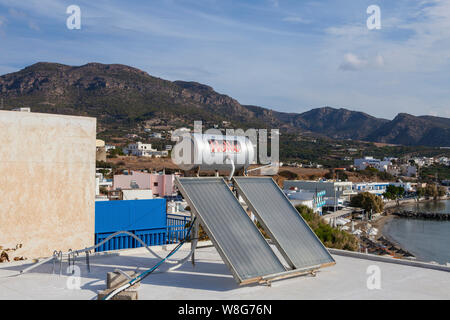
295,19
275,3
352,62
18,15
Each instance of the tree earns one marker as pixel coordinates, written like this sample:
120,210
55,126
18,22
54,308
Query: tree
113,153
341,175
393,192
368,202
420,192
329,175
442,191
103,190
431,191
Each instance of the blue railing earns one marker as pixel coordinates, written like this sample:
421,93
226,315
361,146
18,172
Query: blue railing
176,227
151,237
174,232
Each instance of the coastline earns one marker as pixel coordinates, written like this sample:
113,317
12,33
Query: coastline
387,216
389,245
381,221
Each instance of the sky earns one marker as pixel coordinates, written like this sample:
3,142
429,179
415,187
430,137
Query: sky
287,55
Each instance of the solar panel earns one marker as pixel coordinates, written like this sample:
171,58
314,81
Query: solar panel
280,219
235,236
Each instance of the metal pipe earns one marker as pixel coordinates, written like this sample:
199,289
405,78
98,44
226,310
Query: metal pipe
98,245
232,167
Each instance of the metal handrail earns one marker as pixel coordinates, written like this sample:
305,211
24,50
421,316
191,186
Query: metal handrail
181,261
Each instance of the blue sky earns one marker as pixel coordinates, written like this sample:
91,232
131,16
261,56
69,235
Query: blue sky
288,55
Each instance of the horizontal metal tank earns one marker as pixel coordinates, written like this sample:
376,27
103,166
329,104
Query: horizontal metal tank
214,152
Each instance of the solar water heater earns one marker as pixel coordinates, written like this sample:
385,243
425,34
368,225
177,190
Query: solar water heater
293,237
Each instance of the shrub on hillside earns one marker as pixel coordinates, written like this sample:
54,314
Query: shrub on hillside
288,175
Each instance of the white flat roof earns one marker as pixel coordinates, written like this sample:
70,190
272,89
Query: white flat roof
210,279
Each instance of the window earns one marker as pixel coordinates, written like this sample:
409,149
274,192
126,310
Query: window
155,184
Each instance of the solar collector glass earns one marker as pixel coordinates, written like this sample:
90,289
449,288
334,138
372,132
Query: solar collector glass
292,235
239,242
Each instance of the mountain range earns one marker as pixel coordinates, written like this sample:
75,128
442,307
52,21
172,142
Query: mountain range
123,96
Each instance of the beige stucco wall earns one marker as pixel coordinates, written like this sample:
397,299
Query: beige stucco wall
47,182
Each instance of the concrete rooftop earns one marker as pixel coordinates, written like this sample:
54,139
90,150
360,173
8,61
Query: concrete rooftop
211,279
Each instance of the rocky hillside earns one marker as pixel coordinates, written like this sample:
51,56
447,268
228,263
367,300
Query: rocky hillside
406,129
120,95
339,123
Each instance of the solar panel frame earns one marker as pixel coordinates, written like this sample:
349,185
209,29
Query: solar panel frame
272,226
229,260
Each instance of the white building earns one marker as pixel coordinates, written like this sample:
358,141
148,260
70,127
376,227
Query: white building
409,171
310,199
377,188
380,165
444,161
140,149
336,192
405,185
156,135
109,147
423,161
100,181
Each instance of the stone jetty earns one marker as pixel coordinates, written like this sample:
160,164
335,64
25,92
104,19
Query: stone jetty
423,215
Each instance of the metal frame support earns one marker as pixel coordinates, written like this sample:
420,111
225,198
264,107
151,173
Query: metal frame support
194,237
87,261
267,280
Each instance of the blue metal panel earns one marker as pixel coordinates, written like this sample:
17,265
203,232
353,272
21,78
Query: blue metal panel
112,216
147,219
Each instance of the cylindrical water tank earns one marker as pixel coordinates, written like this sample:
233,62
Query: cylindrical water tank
214,152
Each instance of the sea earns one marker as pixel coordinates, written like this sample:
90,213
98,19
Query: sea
427,240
